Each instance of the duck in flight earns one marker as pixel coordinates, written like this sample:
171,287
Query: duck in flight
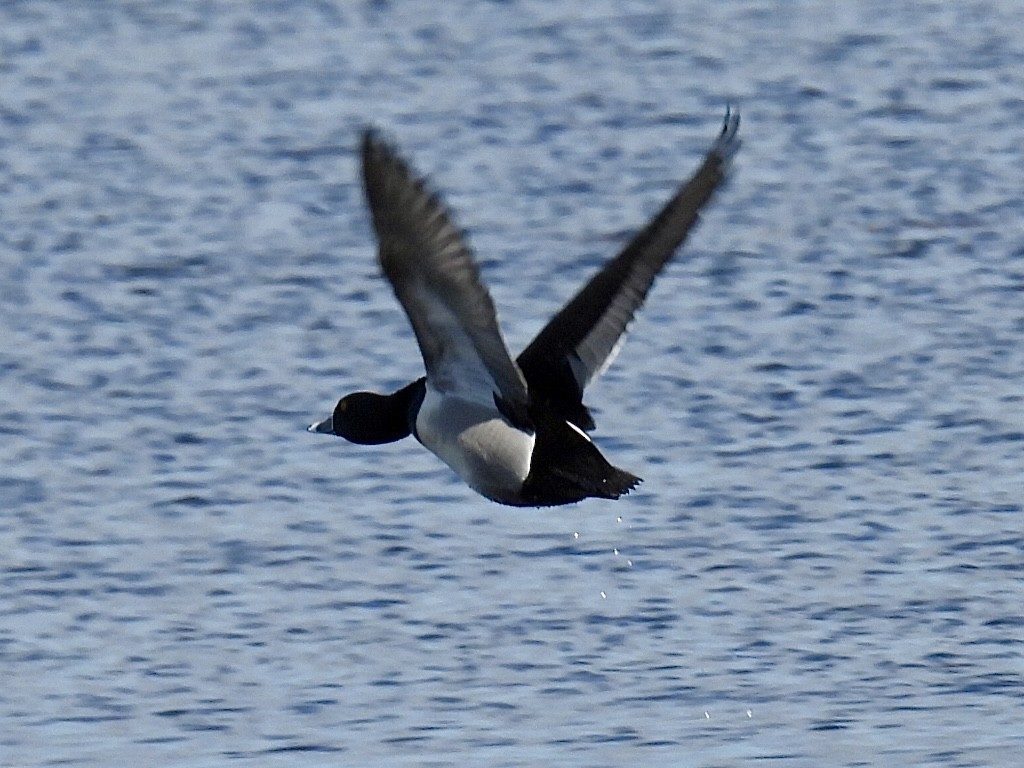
514,430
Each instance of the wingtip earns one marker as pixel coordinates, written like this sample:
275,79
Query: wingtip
732,117
373,142
383,168
728,139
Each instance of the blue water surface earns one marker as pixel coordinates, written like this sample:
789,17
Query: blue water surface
825,564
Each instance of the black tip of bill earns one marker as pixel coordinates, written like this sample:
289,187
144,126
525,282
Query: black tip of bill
325,427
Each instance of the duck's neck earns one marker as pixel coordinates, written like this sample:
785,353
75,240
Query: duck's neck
404,405
394,415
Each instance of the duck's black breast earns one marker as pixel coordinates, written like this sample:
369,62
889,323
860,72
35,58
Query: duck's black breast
566,466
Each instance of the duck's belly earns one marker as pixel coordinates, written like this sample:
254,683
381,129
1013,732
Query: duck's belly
491,456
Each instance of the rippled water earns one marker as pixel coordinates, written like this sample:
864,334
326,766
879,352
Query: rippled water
824,565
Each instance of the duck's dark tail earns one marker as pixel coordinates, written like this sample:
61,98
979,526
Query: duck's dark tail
567,467
619,483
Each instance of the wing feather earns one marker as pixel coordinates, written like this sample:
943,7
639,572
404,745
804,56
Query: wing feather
582,339
431,268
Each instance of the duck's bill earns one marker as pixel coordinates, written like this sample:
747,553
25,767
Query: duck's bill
325,427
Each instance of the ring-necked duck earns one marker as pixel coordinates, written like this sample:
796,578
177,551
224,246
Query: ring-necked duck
513,430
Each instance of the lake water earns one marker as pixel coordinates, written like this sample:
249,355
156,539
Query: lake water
825,564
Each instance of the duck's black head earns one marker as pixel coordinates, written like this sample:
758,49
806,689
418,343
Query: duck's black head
367,418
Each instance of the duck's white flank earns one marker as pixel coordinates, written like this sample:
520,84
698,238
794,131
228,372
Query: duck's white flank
489,454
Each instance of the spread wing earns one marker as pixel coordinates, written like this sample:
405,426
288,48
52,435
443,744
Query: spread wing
583,338
431,268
